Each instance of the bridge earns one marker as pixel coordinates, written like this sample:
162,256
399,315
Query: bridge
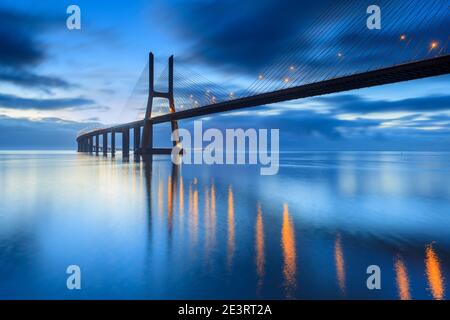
423,58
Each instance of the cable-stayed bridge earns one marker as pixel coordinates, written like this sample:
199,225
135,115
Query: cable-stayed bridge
412,44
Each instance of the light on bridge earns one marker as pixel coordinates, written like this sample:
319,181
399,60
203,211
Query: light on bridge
291,68
434,45
260,77
286,80
403,37
339,54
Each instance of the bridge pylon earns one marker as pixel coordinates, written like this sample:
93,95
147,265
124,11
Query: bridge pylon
147,133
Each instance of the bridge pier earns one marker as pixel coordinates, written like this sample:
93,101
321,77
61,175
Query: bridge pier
137,139
91,144
113,143
125,143
105,144
146,143
97,144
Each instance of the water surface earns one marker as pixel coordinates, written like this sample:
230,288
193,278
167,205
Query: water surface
157,231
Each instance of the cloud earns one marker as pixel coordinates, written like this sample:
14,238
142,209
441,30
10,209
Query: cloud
15,102
21,50
44,133
244,37
32,80
18,40
357,104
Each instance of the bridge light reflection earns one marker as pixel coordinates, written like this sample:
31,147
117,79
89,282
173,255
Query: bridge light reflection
434,273
402,279
259,244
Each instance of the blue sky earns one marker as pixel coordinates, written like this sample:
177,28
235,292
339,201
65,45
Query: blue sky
55,81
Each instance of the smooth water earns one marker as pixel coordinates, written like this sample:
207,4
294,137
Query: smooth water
140,230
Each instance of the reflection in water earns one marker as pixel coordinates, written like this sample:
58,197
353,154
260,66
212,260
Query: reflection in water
168,245
181,192
212,212
207,224
434,274
340,263
160,197
231,240
193,213
289,254
401,274
259,244
169,201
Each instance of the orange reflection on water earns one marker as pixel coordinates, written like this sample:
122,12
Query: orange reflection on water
169,201
160,197
289,253
231,240
181,198
193,213
340,263
213,215
259,246
402,279
434,274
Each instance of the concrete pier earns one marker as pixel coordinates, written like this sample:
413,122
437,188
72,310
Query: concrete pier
113,143
105,144
126,142
97,144
137,139
91,144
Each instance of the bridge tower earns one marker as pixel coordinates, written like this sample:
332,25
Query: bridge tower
147,134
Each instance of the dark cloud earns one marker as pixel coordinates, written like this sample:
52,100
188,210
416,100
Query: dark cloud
358,104
14,102
19,45
21,50
29,79
246,37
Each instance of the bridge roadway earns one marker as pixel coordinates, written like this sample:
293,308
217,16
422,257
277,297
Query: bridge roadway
399,73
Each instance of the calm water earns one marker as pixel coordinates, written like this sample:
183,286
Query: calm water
158,231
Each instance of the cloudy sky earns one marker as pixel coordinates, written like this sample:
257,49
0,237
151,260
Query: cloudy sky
55,81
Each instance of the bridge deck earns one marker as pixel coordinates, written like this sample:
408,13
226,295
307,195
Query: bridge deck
404,72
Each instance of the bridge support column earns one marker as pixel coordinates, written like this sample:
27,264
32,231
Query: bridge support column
91,144
105,144
147,134
147,148
137,139
97,144
126,143
113,143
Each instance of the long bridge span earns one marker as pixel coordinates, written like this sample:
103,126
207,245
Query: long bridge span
328,56
90,142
